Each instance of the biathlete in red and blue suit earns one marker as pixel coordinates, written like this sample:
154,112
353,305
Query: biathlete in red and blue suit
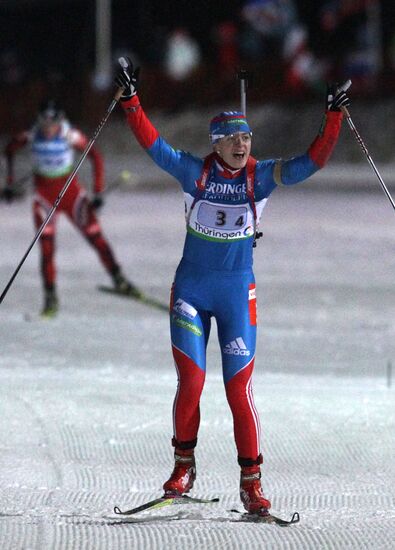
53,143
224,194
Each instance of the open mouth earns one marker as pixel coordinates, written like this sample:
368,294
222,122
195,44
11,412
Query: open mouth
239,156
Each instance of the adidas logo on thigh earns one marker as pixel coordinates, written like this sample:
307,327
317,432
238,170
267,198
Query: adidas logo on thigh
236,347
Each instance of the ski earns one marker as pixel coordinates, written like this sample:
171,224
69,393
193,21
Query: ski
164,501
269,518
138,296
31,317
161,502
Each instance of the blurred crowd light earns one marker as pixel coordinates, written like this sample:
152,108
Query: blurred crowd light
190,52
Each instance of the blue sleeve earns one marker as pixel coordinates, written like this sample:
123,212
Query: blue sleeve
297,169
181,165
272,173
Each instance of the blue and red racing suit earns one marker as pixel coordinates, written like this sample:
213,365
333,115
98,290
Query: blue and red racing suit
215,276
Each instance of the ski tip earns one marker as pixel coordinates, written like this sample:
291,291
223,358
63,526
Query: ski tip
269,518
286,522
295,517
117,510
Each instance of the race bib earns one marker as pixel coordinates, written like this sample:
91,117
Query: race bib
221,222
52,158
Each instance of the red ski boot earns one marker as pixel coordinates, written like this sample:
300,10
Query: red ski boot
251,491
183,475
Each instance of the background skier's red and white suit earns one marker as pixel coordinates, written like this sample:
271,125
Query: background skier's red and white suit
53,159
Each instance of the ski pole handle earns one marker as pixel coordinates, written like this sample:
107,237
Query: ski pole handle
118,94
343,88
124,64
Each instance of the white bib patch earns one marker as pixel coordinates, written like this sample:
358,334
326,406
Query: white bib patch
221,222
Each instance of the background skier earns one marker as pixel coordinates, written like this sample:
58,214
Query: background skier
53,142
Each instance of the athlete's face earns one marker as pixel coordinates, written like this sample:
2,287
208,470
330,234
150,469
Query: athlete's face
50,129
234,149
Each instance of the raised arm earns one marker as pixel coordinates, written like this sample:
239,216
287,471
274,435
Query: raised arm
176,162
299,168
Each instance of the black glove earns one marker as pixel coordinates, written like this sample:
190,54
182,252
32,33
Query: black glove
127,78
97,202
336,97
8,194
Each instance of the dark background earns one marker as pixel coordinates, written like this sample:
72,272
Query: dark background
47,48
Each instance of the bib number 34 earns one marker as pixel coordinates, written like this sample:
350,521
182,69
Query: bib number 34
221,219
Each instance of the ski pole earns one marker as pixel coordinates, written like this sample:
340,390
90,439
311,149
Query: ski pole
110,108
243,77
346,113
